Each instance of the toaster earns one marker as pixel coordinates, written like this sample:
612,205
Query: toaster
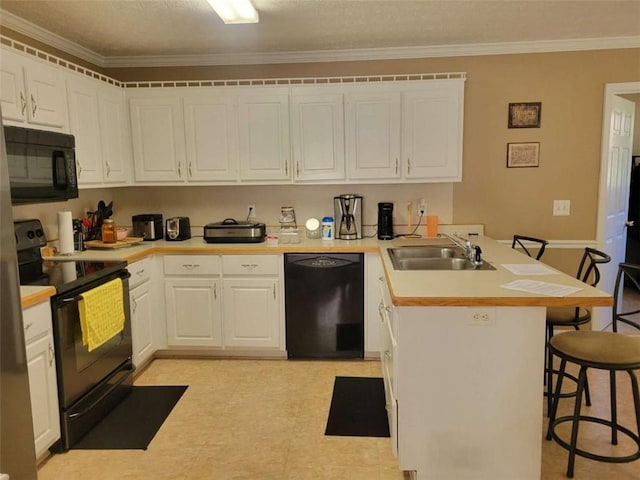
178,228
147,226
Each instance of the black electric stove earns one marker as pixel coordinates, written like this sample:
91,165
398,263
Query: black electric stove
64,275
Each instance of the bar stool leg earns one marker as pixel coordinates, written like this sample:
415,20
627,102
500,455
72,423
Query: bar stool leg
614,407
636,396
549,370
556,399
576,421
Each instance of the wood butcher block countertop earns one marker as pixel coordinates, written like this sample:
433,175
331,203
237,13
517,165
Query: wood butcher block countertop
408,288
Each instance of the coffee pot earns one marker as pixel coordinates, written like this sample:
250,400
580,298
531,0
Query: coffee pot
348,216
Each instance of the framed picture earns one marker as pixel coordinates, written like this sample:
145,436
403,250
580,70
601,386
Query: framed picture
525,115
523,154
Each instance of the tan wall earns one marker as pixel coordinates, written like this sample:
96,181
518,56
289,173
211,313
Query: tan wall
570,86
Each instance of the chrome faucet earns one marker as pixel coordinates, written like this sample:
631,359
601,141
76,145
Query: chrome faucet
472,251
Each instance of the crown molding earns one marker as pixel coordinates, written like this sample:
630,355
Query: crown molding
31,30
35,32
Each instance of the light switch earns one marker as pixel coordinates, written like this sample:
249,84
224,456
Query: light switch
561,207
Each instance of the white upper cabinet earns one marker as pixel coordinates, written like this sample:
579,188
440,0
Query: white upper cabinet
157,129
263,129
114,135
317,131
32,91
432,132
211,137
372,131
84,124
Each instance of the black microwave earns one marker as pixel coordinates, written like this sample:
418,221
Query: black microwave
42,165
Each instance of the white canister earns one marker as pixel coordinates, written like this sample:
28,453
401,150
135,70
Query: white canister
312,227
327,228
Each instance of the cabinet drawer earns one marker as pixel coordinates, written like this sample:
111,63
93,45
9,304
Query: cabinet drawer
191,265
140,272
36,321
250,264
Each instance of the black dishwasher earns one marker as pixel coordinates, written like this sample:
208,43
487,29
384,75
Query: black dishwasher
324,305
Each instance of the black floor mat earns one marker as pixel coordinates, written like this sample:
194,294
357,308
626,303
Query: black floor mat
358,408
135,421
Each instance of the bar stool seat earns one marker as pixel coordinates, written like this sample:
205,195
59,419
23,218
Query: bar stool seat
600,350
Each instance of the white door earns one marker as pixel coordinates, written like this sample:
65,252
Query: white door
614,180
45,95
141,323
372,135
211,137
317,128
251,313
114,134
263,129
84,123
157,130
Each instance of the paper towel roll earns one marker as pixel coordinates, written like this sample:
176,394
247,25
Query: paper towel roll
65,233
68,271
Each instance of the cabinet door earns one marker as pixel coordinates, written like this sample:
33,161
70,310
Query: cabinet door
211,137
85,126
158,139
44,392
114,134
12,87
45,94
263,129
317,126
372,126
193,312
432,133
251,312
141,323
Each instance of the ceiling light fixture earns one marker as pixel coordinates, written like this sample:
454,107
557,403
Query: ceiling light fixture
235,11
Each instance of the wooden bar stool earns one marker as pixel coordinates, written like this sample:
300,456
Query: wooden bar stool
605,351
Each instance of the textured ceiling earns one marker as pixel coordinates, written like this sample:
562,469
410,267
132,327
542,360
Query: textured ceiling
140,28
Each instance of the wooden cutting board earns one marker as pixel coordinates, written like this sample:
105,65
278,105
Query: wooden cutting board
99,244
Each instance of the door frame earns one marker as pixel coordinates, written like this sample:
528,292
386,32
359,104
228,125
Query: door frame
602,315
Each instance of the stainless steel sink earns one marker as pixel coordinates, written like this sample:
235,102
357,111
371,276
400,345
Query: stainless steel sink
448,257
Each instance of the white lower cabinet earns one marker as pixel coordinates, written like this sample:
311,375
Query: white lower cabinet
43,384
141,302
252,301
373,328
192,300
388,359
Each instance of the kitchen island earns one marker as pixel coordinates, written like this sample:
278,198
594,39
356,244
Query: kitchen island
462,357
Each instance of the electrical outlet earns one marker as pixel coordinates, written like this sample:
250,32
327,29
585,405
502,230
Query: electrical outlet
251,211
481,317
561,207
422,207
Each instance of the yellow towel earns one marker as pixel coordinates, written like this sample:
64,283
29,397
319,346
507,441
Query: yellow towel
101,314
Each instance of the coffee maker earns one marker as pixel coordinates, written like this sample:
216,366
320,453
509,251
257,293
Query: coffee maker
385,220
348,215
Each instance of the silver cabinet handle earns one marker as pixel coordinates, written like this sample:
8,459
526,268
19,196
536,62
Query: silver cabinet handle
250,266
274,291
34,105
51,354
28,326
380,310
286,168
629,223
78,166
23,104
190,171
140,272
190,266
408,166
215,291
108,168
396,166
135,305
180,169
297,169
387,354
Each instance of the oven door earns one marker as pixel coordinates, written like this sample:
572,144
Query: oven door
81,371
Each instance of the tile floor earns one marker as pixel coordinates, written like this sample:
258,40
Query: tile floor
265,420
